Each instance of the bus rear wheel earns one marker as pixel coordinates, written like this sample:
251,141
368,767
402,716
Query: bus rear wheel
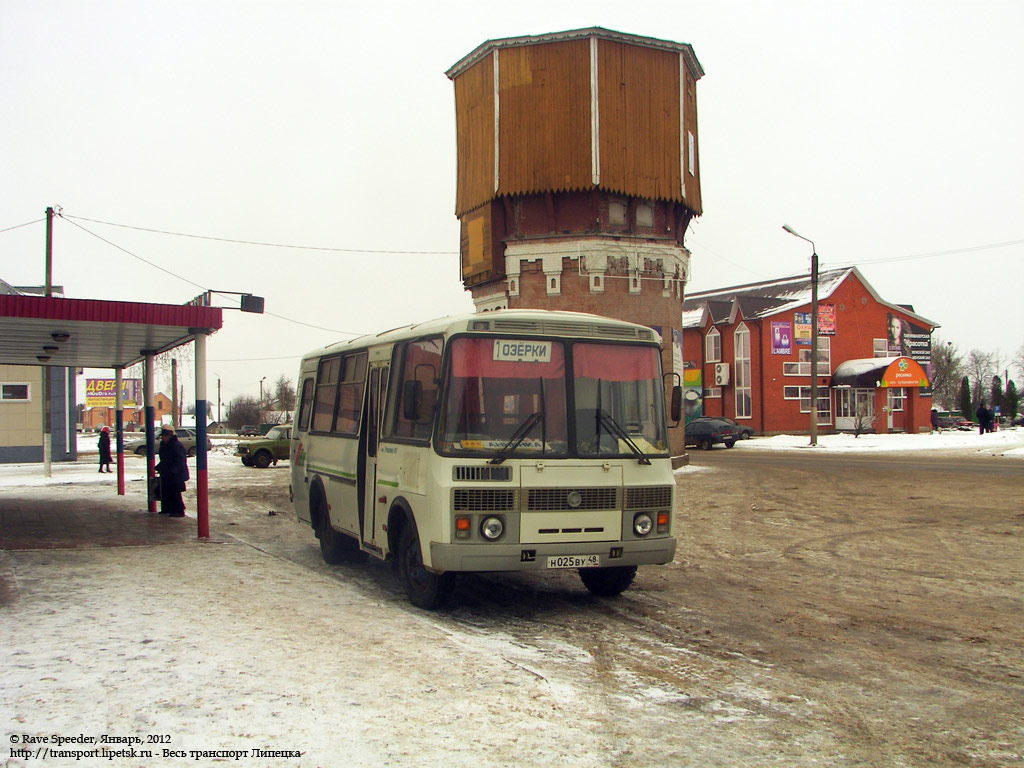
608,582
424,589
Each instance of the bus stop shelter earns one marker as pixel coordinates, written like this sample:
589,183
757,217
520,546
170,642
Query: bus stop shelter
90,333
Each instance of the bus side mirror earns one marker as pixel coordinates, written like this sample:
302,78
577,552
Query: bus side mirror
676,409
412,393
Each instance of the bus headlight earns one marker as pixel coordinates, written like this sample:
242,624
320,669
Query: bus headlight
492,528
642,524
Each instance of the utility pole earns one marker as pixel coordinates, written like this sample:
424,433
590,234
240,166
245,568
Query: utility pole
174,393
44,371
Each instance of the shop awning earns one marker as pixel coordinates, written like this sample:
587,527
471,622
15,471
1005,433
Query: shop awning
880,372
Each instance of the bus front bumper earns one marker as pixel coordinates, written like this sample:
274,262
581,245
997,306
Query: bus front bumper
534,557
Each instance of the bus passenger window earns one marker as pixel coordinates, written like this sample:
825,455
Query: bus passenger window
305,405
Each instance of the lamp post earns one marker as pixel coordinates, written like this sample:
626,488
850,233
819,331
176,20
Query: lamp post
814,333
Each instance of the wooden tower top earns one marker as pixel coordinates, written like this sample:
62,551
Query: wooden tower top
586,109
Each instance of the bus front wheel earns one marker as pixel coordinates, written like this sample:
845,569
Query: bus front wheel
424,589
335,547
608,582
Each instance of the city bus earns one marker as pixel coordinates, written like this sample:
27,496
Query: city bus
513,440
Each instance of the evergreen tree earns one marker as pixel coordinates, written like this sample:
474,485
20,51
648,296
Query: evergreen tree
1011,400
997,394
965,398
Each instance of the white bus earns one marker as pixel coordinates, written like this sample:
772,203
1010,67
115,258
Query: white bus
503,441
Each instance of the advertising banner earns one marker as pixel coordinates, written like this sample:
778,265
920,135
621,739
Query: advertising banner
103,392
802,327
908,339
826,319
782,338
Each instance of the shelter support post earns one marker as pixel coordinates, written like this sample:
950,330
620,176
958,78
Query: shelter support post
202,485
119,428
148,395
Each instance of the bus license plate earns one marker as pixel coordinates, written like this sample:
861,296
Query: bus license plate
574,561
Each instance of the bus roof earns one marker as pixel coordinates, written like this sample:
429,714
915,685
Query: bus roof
511,321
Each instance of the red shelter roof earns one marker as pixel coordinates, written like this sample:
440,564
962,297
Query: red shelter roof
89,333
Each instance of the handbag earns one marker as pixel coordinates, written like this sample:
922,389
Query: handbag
154,489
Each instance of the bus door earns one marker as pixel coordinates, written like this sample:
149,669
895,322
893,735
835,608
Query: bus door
375,405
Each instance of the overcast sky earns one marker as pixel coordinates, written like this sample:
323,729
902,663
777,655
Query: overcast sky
880,130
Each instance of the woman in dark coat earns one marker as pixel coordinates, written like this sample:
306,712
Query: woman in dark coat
104,446
173,471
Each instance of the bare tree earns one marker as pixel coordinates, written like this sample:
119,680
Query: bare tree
980,367
244,410
284,394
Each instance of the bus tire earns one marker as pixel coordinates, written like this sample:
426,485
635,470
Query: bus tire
335,547
608,582
424,589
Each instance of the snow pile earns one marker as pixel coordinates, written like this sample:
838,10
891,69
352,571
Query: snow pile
1008,442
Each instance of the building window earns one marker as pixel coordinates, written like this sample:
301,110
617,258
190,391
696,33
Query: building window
895,397
803,367
712,393
803,394
644,215
15,393
713,346
617,213
741,339
881,347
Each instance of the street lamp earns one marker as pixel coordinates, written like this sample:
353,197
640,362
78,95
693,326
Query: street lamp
261,391
814,333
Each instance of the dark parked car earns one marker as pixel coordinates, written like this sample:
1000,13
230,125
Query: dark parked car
706,432
266,450
746,431
248,431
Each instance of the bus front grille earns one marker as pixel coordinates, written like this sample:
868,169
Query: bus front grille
572,498
484,473
654,497
483,500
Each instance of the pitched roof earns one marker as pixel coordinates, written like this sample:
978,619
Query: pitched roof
755,301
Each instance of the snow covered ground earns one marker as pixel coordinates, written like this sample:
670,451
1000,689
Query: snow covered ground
220,645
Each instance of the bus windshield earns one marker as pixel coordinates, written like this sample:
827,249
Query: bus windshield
508,397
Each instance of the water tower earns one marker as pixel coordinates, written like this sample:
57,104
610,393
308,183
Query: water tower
578,175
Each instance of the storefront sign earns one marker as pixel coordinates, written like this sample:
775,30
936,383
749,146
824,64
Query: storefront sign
904,373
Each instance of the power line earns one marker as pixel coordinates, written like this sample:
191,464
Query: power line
942,253
268,245
197,285
18,226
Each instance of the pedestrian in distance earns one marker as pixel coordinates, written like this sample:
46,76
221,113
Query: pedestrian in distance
983,419
935,420
173,471
104,446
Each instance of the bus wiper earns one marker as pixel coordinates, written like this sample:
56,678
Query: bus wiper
518,436
616,429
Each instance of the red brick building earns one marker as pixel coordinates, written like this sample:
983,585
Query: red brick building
747,354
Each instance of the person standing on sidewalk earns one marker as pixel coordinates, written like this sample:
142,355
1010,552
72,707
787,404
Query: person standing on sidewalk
173,471
104,446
